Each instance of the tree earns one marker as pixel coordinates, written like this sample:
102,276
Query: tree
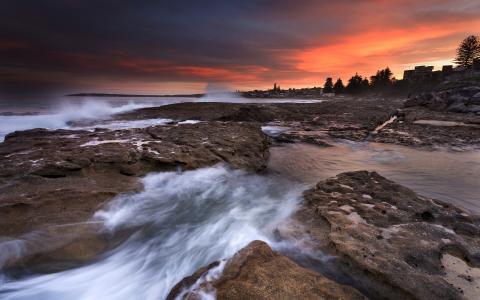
382,79
328,86
365,85
468,50
357,84
339,87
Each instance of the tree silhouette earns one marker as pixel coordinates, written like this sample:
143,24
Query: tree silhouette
468,50
339,87
328,86
382,79
357,84
365,85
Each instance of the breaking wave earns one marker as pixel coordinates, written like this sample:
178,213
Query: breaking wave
67,113
181,222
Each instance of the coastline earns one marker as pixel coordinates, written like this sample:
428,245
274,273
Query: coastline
71,174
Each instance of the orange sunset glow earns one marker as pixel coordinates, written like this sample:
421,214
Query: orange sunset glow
246,46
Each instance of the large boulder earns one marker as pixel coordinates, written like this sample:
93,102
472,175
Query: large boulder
396,244
257,272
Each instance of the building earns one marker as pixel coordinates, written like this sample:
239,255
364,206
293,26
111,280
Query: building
408,74
421,73
447,70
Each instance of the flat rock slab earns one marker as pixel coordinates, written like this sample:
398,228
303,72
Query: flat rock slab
421,127
63,176
352,118
343,112
257,272
391,239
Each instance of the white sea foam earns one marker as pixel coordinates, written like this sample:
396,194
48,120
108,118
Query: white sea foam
60,118
125,124
274,130
182,221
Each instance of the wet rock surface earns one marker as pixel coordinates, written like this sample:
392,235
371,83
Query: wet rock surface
387,243
351,118
391,241
421,127
342,112
459,96
60,178
342,117
257,272
447,116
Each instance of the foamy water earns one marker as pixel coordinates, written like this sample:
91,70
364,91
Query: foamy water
182,221
67,110
59,118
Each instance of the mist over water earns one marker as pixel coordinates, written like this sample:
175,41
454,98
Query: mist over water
58,113
181,222
59,117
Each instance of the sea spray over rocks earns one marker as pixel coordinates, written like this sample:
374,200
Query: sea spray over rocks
61,118
181,221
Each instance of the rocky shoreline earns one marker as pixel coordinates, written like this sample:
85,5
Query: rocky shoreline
57,178
383,120
392,243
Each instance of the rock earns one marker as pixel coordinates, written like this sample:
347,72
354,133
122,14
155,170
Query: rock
51,178
458,107
468,91
257,272
475,99
387,237
419,100
474,108
422,127
451,96
298,137
336,119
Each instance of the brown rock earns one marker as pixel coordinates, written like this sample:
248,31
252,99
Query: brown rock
387,237
257,272
52,178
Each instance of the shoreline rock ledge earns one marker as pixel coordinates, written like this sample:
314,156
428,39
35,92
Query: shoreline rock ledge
386,241
257,272
62,177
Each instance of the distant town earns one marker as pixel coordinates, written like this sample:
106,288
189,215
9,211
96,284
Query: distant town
419,79
416,80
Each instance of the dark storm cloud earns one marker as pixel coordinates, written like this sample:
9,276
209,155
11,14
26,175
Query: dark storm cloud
80,44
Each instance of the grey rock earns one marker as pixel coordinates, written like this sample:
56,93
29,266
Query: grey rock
458,107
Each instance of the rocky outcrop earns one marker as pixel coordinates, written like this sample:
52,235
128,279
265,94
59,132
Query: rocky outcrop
421,127
393,243
257,272
52,178
383,240
343,117
368,112
351,118
461,96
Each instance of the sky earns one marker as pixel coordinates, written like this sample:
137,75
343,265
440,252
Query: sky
166,47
